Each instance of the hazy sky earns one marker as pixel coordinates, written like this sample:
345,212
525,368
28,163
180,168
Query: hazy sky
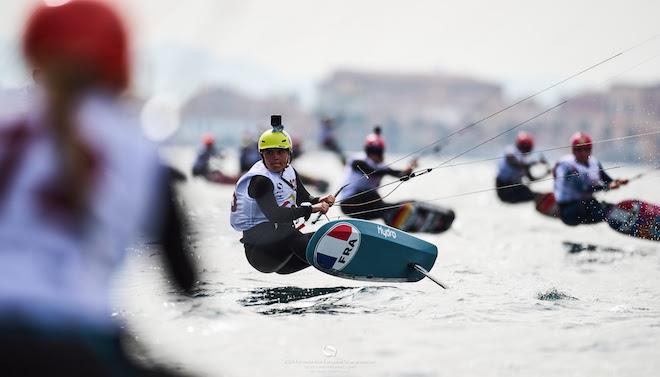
289,45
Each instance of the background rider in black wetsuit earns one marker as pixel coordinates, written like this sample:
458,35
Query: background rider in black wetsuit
361,194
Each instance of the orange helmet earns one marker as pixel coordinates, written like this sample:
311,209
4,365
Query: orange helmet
524,142
85,35
208,139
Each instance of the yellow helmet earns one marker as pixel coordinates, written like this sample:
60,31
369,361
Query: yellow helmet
275,137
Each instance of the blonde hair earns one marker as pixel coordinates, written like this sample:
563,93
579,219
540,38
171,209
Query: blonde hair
65,86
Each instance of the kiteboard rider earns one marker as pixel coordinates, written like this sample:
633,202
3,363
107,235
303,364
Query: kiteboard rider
266,202
202,166
514,167
577,177
361,200
363,175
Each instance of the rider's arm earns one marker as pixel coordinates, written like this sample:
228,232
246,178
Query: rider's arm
513,161
302,195
363,167
604,176
261,189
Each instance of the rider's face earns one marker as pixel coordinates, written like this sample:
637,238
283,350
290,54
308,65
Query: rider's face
582,154
276,160
377,157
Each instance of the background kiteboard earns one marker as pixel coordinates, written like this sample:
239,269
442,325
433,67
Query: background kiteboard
636,218
421,217
632,217
547,205
363,250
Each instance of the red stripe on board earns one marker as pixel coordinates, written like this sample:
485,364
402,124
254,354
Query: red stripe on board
341,232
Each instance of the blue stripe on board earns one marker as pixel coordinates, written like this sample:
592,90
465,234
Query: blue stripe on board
325,261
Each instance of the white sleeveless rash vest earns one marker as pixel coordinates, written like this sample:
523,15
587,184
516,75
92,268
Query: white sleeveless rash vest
245,212
573,181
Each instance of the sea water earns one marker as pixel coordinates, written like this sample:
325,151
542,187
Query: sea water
528,296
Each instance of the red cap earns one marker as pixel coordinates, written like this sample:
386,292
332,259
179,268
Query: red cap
85,35
524,142
581,141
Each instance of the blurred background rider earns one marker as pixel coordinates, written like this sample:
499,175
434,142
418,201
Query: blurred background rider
202,166
363,175
514,167
577,177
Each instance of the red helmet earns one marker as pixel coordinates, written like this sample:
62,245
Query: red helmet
208,139
581,141
374,143
85,35
524,142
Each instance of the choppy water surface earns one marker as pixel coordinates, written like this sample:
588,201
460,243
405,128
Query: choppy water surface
528,296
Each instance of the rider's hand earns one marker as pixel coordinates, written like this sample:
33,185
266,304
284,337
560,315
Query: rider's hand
617,183
330,199
322,207
411,167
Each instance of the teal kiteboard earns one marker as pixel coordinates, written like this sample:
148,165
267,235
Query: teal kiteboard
365,250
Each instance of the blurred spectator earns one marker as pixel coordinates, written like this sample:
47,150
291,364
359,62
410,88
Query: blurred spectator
78,183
